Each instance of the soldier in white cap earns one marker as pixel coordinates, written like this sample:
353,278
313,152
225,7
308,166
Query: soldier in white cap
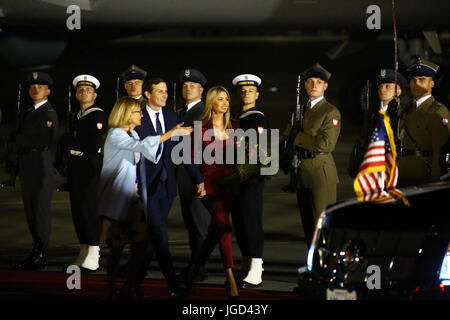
84,169
248,206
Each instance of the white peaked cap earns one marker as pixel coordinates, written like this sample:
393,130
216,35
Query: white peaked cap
247,80
86,80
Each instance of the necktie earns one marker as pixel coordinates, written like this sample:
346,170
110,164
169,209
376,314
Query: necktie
159,132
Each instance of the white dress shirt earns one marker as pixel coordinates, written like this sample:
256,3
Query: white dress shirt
152,114
190,105
40,104
315,101
421,100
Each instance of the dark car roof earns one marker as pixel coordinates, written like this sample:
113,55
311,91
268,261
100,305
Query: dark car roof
429,209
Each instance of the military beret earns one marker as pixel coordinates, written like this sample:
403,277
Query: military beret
247,80
86,80
39,77
422,67
388,76
317,71
133,72
192,75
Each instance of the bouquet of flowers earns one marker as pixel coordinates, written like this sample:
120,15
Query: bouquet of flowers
254,157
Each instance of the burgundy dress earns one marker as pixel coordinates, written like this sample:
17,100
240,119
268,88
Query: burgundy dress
218,202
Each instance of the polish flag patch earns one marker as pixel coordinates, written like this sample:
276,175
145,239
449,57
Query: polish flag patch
99,125
445,121
335,122
260,130
49,123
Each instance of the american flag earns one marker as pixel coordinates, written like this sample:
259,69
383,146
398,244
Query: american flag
378,173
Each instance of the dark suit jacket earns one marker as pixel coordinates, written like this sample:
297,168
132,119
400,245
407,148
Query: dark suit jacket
153,170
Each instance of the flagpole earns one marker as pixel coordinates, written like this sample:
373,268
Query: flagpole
394,22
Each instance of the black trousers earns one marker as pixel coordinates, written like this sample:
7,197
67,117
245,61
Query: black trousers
83,179
158,207
196,217
36,175
247,215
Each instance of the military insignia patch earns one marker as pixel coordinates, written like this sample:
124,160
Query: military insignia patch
99,125
260,130
49,124
383,73
445,121
187,73
335,122
35,75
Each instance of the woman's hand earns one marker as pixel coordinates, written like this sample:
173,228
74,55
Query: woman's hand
243,175
179,130
201,191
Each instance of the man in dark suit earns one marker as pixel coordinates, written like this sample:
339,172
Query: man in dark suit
36,132
161,180
195,216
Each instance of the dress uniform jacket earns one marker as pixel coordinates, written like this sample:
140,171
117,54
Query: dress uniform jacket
84,172
317,173
424,130
37,131
321,128
248,206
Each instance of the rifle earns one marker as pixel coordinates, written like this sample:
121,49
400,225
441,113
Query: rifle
117,88
175,98
12,161
63,147
292,151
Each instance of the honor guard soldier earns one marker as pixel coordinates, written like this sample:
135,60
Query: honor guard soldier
424,128
317,174
247,208
133,79
36,132
84,170
195,216
385,83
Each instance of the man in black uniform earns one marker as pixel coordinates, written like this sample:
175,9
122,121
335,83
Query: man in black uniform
247,206
385,83
133,79
84,168
195,216
36,132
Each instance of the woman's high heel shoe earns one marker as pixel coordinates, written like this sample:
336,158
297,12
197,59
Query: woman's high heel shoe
228,290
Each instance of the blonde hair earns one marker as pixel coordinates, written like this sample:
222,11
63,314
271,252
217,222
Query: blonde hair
121,112
211,96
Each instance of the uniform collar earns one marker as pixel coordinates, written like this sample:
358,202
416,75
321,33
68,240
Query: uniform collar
40,104
314,102
192,104
422,100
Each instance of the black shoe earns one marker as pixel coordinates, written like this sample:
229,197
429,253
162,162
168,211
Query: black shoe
36,260
139,294
127,294
199,276
289,188
247,285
